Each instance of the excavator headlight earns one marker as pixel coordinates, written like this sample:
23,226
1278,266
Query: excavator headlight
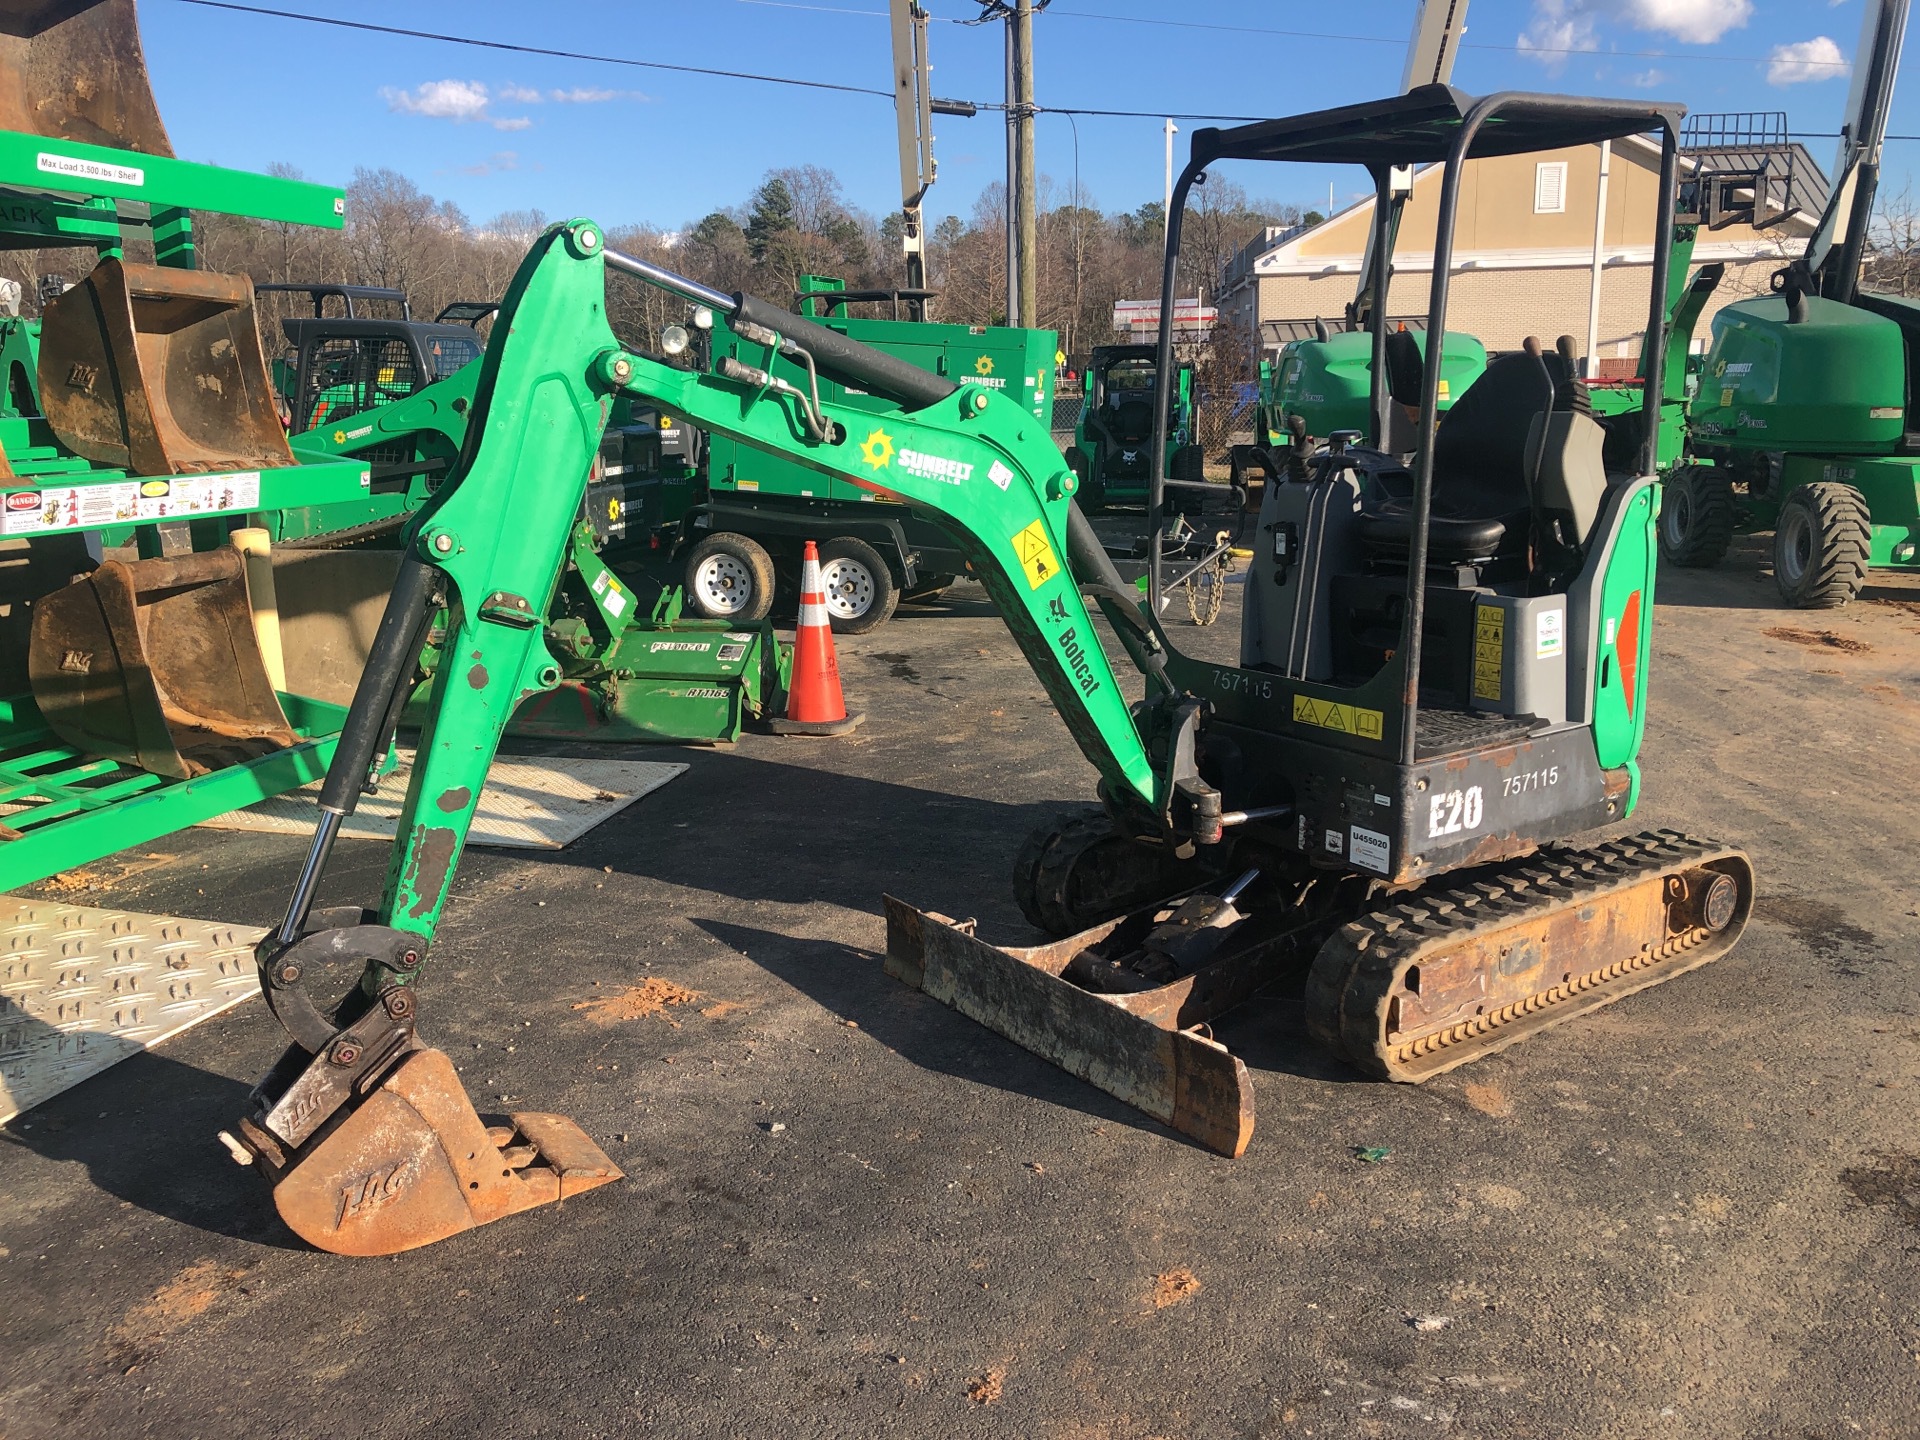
674,339
702,318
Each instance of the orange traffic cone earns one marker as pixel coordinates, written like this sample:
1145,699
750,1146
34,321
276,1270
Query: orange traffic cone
814,703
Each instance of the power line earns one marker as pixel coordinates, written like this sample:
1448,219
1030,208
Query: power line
516,49
544,51
1097,15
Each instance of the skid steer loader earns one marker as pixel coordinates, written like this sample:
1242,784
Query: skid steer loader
1444,678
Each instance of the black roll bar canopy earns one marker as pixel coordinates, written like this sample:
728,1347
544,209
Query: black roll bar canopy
365,294
1434,124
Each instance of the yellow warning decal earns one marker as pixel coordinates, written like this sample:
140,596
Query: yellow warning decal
1331,715
1489,651
1036,555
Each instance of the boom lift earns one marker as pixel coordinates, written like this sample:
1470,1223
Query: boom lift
1443,673
1807,419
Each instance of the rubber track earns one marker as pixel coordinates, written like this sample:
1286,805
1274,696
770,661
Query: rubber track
1043,864
1356,969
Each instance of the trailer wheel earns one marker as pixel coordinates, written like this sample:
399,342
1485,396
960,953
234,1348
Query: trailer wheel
729,577
1821,543
861,595
1696,518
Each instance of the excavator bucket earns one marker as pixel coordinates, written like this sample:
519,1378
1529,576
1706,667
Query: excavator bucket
414,1164
73,70
155,663
160,372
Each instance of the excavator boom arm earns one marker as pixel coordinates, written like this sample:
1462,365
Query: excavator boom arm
492,543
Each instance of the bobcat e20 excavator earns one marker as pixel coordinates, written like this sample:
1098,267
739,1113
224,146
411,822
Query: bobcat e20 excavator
1444,673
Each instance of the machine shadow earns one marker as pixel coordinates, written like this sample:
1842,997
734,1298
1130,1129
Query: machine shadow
756,830
848,982
128,1126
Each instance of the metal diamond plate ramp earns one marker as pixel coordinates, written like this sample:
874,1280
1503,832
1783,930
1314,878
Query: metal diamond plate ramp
82,989
535,802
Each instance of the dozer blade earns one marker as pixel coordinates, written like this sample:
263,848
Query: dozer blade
1451,975
73,70
1144,1048
154,663
413,1163
160,372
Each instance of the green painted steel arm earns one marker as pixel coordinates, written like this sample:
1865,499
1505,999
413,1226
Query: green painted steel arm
498,531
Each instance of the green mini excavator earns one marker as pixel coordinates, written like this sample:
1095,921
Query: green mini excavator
1443,679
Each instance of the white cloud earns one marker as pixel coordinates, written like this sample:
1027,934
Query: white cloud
460,101
495,163
1647,79
583,95
1565,27
520,94
1805,60
1694,22
1559,28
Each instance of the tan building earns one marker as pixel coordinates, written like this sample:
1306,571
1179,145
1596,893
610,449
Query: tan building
1524,250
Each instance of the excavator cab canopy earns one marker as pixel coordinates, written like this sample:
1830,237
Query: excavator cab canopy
1424,126
1482,455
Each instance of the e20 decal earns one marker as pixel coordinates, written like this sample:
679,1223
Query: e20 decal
1454,811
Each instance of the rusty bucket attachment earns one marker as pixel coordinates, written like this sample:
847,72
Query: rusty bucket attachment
413,1163
154,663
367,1136
160,372
74,70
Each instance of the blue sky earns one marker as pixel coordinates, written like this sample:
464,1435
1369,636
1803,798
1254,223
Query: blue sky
494,131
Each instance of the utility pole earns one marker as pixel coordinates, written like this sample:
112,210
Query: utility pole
1013,184
1166,196
1025,218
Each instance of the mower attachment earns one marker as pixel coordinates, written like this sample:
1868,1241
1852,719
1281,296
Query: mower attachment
155,663
367,1136
160,372
73,70
1145,1048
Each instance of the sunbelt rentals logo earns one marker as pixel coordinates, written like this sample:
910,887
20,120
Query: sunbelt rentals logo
877,449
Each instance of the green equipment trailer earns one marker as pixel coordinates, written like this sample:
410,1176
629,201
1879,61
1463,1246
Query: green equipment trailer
1443,680
140,428
1113,452
743,540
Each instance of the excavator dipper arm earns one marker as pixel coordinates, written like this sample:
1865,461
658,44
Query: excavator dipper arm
370,1141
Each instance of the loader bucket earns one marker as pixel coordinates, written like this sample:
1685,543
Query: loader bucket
414,1163
154,663
160,372
73,70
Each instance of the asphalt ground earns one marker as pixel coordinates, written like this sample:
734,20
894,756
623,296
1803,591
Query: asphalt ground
849,1211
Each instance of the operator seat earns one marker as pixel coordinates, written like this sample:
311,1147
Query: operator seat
1133,421
1481,497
